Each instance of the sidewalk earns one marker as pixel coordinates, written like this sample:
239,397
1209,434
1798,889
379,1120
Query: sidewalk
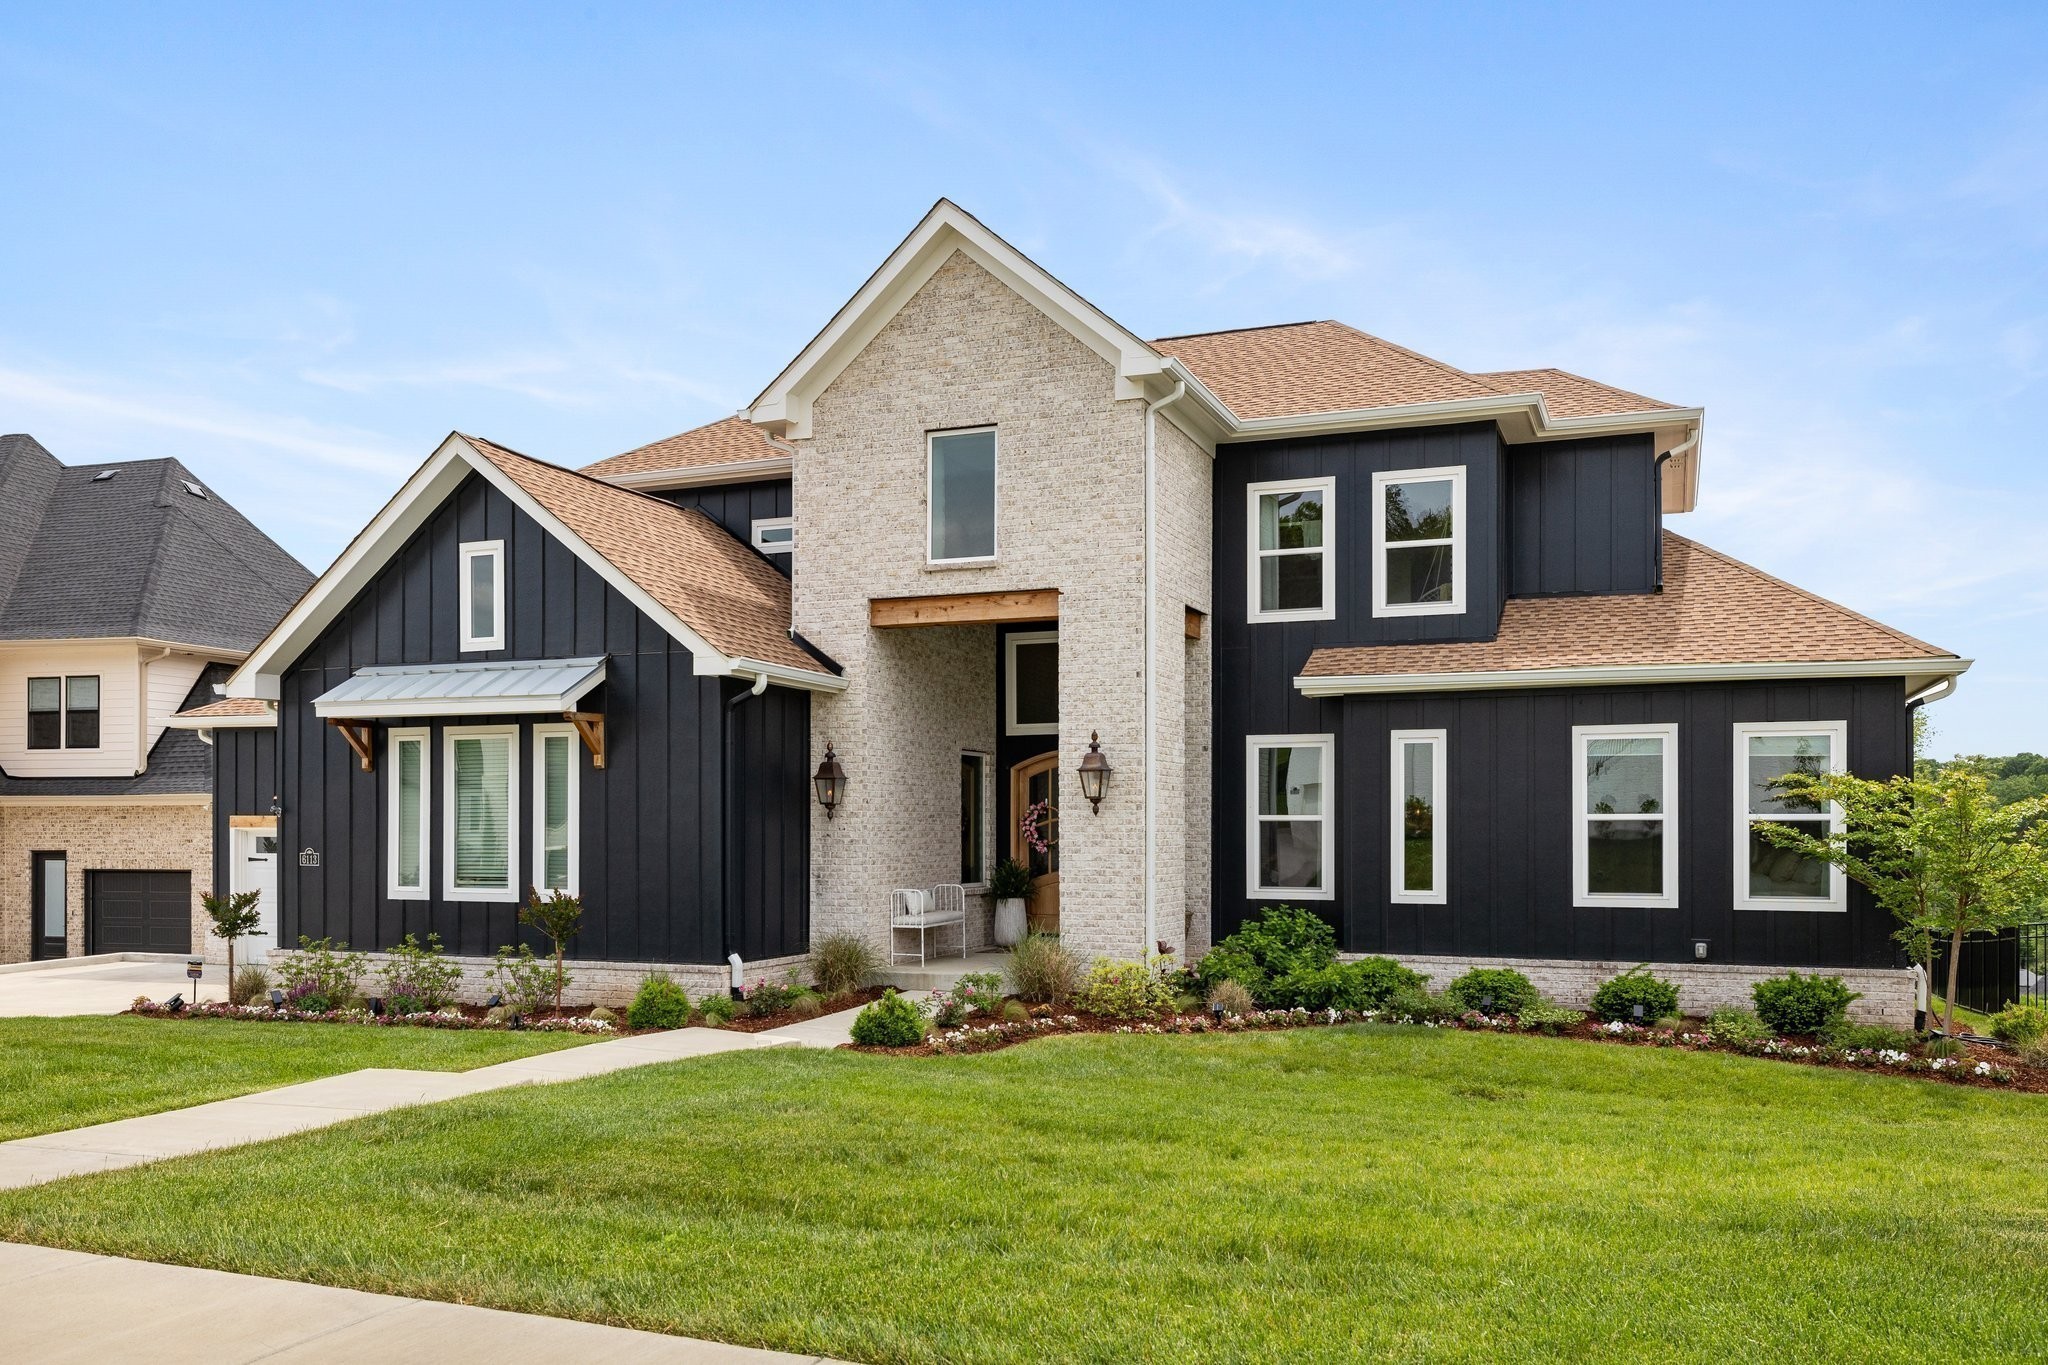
65,1306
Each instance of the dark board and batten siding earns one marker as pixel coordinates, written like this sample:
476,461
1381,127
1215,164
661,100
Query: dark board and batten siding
1583,517
245,782
737,506
653,838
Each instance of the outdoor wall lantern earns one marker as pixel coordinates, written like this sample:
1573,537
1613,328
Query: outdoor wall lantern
830,780
1094,772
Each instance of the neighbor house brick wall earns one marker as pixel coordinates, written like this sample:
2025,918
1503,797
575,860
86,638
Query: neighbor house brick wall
149,837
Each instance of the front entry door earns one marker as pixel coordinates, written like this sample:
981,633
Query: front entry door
46,892
256,870
1035,835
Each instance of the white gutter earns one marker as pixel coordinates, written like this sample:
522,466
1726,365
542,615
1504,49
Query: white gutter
1940,688
1628,674
142,663
698,476
786,676
1150,744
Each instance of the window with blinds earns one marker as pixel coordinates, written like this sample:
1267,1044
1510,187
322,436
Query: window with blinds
408,795
482,786
554,808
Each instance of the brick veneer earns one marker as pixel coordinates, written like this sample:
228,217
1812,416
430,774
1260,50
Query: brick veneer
128,838
593,982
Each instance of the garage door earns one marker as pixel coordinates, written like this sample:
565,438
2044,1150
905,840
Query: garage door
138,912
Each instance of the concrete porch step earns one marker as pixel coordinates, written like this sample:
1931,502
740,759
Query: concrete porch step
939,973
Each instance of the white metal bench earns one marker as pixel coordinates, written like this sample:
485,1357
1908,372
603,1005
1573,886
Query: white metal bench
926,912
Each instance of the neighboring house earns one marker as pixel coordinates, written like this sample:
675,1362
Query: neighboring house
1353,629
127,592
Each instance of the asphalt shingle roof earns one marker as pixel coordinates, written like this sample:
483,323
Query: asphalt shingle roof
729,440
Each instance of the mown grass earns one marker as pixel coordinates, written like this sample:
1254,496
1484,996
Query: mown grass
70,1072
1322,1195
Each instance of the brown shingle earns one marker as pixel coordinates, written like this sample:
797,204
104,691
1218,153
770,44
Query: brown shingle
1304,367
1713,610
729,440
1572,395
227,708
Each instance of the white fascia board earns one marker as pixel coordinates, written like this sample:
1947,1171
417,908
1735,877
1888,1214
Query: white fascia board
267,721
1623,675
214,653
699,476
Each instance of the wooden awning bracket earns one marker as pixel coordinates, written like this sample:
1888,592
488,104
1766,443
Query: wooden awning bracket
590,725
361,736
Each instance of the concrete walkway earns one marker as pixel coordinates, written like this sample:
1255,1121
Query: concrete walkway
65,1306
827,1030
100,985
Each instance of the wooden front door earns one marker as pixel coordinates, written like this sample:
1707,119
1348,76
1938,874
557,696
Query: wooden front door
1035,797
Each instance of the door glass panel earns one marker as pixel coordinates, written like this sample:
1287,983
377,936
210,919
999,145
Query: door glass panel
266,846
52,916
1042,810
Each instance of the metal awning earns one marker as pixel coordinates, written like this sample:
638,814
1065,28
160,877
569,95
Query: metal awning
466,689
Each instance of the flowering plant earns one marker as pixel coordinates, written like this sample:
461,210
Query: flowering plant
1037,817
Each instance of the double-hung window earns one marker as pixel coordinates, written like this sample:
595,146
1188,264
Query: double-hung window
64,713
1768,877
410,772
482,791
1625,804
555,813
1419,833
482,594
973,818
962,496
1290,851
1292,573
1418,542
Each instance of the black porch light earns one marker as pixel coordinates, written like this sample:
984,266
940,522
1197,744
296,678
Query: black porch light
1094,772
830,780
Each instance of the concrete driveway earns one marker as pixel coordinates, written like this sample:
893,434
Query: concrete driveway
99,985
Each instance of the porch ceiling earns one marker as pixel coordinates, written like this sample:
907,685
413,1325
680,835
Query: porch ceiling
965,609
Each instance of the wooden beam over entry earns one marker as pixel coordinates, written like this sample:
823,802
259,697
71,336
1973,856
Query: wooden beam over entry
965,609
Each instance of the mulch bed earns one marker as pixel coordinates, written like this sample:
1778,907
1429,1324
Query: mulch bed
761,1023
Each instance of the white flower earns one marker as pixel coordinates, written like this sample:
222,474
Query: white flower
1983,1068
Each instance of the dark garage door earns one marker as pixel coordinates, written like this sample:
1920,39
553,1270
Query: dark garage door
138,912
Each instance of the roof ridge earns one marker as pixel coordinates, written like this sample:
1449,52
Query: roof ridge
1415,355
1229,331
661,440
1813,597
590,479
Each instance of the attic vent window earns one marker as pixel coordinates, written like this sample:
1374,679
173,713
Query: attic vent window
194,489
104,475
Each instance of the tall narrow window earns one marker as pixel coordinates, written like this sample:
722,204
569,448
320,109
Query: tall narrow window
1625,791
1031,696
1768,877
1292,572
482,594
1418,542
408,797
963,496
82,712
1420,859
45,713
482,789
1288,848
555,808
973,819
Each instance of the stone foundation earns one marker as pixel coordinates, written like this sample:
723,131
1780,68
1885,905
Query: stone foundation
133,837
595,983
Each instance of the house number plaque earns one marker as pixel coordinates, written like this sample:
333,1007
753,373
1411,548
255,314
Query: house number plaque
309,857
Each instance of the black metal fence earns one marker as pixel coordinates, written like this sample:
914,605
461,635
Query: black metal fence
1996,970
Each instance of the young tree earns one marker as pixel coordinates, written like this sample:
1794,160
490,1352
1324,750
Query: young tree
1939,852
234,916
559,917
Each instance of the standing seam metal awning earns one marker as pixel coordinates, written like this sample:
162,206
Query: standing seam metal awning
466,689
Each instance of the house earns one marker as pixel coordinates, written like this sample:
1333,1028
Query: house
127,592
1350,627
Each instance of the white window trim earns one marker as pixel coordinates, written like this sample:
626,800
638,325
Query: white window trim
1253,554
540,809
1439,742
1011,726
449,890
1328,890
393,817
931,440
775,547
988,814
470,550
1837,731
1582,820
1461,532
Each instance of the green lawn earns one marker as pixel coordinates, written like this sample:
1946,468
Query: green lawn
1324,1195
66,1073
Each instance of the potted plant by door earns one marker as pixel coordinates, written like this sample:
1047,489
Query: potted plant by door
1010,883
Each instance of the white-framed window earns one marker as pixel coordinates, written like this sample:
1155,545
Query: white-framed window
1031,682
410,766
974,818
482,568
557,813
1420,831
774,535
1768,877
1290,844
481,792
64,712
961,486
1291,549
1418,542
1625,804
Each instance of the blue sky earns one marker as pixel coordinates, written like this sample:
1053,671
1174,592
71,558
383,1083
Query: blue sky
295,250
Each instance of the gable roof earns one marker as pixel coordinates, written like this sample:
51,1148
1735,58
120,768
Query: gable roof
1715,617
731,446
129,550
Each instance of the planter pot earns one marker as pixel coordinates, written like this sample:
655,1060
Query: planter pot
1009,925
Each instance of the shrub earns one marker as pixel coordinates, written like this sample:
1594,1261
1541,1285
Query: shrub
1125,990
717,1010
1014,1012
1042,968
526,982
1361,985
891,1021
980,992
1545,1017
659,1003
1876,1037
1412,1002
1509,990
420,978
809,1005
2020,1025
767,997
1234,999
560,916
2033,1054
1618,996
1732,1024
605,1016
1801,1004
1285,940
323,975
248,986
843,962
946,1008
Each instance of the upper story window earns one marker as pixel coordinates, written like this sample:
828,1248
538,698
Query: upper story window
962,497
1418,542
483,594
1031,700
1293,569
1768,877
1625,793
64,713
774,535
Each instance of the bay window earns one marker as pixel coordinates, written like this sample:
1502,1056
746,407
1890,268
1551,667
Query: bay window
1625,799
1768,877
1290,851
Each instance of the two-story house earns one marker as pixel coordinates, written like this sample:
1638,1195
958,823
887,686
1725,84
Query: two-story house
127,592
1350,628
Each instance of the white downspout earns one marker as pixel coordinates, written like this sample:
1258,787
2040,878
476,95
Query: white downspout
142,663
1150,744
